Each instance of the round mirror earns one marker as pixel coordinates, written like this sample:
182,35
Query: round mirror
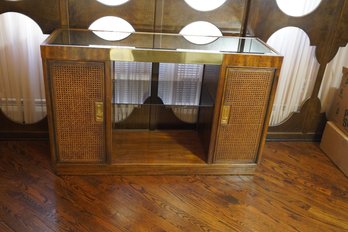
112,28
298,8
201,32
205,5
112,2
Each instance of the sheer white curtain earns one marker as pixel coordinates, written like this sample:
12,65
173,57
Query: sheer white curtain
332,78
298,74
22,96
300,66
180,87
132,85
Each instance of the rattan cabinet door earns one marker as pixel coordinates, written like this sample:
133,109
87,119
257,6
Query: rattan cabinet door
77,93
245,101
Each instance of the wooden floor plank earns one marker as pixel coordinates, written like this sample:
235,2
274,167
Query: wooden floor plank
4,227
296,188
175,146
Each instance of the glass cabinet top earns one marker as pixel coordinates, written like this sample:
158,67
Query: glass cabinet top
159,41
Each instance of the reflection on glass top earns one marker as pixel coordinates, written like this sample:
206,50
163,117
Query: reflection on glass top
159,41
203,32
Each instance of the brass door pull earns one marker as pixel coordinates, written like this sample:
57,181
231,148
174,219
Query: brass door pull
99,112
225,114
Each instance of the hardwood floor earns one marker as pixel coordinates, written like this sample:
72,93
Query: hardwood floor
296,188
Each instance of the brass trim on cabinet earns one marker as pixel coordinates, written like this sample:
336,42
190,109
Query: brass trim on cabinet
165,56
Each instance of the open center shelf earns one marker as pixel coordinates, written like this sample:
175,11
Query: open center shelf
157,147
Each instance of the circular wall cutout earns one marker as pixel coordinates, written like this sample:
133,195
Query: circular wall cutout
112,2
112,28
298,8
22,94
205,5
201,32
298,74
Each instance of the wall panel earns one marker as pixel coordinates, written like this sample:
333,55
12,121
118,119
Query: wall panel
326,27
139,13
173,15
45,13
266,18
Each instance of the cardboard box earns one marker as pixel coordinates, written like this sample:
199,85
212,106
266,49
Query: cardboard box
335,144
339,108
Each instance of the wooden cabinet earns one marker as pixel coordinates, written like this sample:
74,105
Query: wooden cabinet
221,131
245,101
77,93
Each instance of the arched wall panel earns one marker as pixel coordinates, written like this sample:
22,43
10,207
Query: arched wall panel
266,18
22,95
45,13
139,13
173,15
48,16
326,28
342,33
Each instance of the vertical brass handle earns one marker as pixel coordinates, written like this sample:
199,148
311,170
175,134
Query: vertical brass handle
99,112
225,114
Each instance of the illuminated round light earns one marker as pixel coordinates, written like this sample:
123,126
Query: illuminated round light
298,8
200,32
112,2
112,28
205,5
